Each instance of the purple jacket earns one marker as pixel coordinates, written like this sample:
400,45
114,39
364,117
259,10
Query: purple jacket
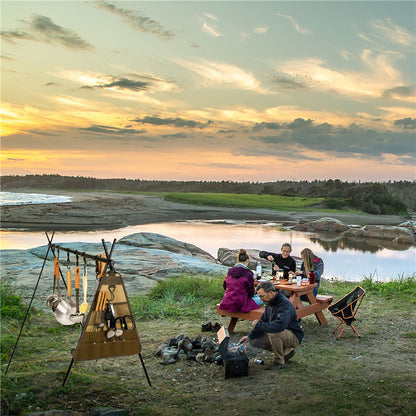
239,289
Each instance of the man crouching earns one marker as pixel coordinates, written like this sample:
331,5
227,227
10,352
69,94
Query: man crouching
278,329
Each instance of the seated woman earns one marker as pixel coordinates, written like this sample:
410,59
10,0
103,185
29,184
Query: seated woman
310,261
239,286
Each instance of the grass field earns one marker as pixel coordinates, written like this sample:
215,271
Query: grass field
373,375
275,202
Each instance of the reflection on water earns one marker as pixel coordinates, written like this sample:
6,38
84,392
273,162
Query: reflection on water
346,259
333,242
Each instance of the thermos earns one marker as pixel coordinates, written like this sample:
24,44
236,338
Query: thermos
312,276
285,273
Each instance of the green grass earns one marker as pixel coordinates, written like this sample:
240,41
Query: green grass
273,202
180,297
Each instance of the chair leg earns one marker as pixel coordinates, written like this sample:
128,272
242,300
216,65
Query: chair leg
343,329
358,335
336,329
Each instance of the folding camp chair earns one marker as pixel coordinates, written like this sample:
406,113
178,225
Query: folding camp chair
346,308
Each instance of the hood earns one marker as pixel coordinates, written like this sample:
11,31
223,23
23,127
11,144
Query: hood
239,271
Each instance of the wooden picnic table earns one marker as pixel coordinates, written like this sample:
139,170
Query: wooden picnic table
314,304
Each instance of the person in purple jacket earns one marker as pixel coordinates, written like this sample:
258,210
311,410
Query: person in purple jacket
239,286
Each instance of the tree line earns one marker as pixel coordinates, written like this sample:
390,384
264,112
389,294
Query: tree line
392,197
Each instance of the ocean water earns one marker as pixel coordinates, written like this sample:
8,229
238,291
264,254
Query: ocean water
22,198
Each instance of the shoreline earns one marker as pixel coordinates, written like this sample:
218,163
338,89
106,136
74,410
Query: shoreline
101,210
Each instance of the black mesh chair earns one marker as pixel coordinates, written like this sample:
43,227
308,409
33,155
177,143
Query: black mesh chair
346,308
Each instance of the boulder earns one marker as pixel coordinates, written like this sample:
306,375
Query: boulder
399,235
323,224
142,259
228,257
162,242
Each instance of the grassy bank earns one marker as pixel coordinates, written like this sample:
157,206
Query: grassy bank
373,375
274,202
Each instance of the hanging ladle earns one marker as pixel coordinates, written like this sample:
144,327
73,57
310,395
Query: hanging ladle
77,316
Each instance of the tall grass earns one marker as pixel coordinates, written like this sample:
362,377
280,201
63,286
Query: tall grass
187,297
182,297
403,286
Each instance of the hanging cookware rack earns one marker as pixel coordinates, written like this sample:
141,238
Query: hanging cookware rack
109,329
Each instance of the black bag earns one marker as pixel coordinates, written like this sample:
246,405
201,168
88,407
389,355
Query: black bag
235,362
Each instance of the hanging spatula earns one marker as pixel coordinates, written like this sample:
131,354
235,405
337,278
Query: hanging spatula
84,306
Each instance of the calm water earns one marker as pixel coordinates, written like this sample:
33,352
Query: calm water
343,260
16,198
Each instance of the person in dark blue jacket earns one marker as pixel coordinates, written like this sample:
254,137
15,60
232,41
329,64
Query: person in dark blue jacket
278,329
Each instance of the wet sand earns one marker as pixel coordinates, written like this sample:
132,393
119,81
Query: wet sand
92,211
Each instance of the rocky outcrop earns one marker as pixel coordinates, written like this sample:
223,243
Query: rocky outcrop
398,235
323,224
142,259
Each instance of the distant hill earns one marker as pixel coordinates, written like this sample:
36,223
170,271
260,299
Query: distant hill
398,197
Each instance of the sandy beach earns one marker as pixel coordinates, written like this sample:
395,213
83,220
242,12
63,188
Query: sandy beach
108,210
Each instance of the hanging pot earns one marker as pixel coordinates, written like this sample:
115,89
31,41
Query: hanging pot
60,307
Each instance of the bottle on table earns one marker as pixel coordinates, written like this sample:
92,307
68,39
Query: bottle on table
312,276
258,270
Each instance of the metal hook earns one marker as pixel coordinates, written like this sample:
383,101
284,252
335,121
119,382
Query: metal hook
111,289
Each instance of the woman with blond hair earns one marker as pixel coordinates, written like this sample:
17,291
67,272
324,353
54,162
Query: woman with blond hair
311,261
239,286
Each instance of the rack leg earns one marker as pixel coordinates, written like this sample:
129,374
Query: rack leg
144,369
30,303
67,373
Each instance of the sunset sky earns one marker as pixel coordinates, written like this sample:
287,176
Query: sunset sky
209,90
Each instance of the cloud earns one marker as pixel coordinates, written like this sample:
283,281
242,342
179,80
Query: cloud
402,91
53,33
124,84
305,136
13,35
137,21
176,122
211,16
43,29
210,30
111,130
295,24
174,136
261,30
406,123
129,86
386,30
288,82
378,76
216,73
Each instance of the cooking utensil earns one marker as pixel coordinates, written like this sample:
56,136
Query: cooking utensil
77,317
54,297
84,306
62,308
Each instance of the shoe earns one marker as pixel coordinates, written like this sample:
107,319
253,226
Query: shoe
290,355
276,366
206,327
216,327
